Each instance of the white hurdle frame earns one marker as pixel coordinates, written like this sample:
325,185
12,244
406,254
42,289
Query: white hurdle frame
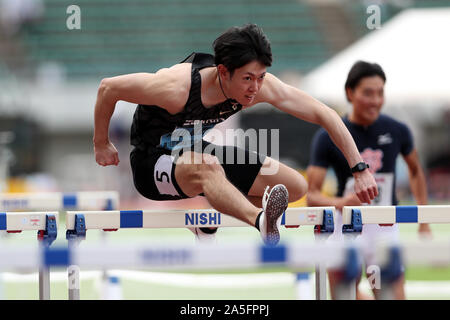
354,217
181,256
114,220
46,223
64,201
61,201
398,214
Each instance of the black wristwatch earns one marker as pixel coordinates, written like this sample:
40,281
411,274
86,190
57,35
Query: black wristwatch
360,167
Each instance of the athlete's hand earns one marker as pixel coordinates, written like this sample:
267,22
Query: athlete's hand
106,154
349,200
365,186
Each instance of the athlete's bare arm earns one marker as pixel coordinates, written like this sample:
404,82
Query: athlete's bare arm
299,104
315,198
168,88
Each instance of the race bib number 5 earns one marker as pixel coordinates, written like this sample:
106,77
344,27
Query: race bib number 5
162,175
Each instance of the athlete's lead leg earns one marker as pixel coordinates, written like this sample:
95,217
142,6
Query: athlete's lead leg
209,178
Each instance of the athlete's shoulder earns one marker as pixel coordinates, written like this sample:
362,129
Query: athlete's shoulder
177,72
177,78
272,90
167,88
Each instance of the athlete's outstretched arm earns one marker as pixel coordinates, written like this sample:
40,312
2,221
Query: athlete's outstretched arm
315,197
303,106
140,88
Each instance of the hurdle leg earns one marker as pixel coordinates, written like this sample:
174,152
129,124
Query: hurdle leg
74,282
303,286
2,295
321,282
73,273
45,239
44,284
105,278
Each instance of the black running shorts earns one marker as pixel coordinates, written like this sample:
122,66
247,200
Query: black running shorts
154,170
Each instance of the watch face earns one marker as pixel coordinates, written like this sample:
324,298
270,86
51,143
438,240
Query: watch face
360,167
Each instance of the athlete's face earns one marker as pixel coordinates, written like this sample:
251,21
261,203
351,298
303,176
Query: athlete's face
246,82
367,99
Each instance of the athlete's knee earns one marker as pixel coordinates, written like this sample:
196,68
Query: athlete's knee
192,176
297,188
209,167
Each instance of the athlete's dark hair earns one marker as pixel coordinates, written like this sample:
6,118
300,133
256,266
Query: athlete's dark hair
362,69
240,45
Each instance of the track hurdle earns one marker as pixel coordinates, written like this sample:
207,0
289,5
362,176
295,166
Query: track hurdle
60,201
46,224
353,219
78,222
199,257
85,200
392,257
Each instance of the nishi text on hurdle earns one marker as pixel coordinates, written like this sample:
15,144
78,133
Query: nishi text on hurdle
202,218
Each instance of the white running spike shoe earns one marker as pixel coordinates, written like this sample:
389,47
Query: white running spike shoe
274,204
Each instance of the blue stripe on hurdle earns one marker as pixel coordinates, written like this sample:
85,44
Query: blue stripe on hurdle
271,254
69,200
406,214
302,276
56,257
131,219
2,220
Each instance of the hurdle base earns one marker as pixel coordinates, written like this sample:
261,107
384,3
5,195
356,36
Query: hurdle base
79,231
48,235
355,225
327,226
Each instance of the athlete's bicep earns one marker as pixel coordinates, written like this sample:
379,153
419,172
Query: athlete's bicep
140,88
293,101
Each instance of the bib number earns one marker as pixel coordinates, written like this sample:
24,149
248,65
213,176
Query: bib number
162,176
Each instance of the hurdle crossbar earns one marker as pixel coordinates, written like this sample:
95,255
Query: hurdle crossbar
85,200
78,222
175,256
206,257
397,214
113,220
418,253
46,223
15,222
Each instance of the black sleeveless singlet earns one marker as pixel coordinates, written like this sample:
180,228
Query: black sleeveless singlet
153,126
